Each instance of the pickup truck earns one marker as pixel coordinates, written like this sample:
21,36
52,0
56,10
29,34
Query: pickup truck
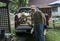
23,20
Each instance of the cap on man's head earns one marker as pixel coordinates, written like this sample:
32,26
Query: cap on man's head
33,6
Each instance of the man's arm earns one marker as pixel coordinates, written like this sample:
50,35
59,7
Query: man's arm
43,17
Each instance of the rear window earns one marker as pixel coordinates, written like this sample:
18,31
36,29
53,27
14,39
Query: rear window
27,10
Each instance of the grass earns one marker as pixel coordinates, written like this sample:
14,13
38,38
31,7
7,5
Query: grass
53,35
12,29
56,24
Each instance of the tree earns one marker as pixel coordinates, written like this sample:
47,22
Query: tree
23,3
13,5
16,4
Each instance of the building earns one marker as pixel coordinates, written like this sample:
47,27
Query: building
55,10
46,10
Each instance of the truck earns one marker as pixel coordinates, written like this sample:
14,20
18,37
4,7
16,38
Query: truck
23,20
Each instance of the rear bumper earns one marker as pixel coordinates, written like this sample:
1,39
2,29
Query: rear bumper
20,30
23,28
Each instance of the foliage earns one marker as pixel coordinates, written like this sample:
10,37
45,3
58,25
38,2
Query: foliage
2,4
53,35
15,4
56,17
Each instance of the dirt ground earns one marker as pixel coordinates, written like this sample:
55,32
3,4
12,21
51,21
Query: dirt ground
25,37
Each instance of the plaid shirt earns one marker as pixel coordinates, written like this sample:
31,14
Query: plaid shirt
36,17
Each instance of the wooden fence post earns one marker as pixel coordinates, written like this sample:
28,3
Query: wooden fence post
54,24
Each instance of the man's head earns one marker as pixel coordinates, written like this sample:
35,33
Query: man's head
33,8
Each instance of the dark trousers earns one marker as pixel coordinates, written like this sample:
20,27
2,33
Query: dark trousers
38,32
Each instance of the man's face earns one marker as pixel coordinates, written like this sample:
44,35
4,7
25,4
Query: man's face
33,10
33,7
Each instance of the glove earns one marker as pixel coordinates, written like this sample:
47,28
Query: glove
45,26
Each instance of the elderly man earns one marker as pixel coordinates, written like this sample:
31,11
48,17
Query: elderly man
38,19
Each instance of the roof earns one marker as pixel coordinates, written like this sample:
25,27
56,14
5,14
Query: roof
55,3
45,6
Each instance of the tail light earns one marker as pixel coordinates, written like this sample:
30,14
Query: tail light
16,21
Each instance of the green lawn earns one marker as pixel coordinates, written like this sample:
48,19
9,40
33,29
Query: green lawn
53,35
12,24
57,23
12,29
